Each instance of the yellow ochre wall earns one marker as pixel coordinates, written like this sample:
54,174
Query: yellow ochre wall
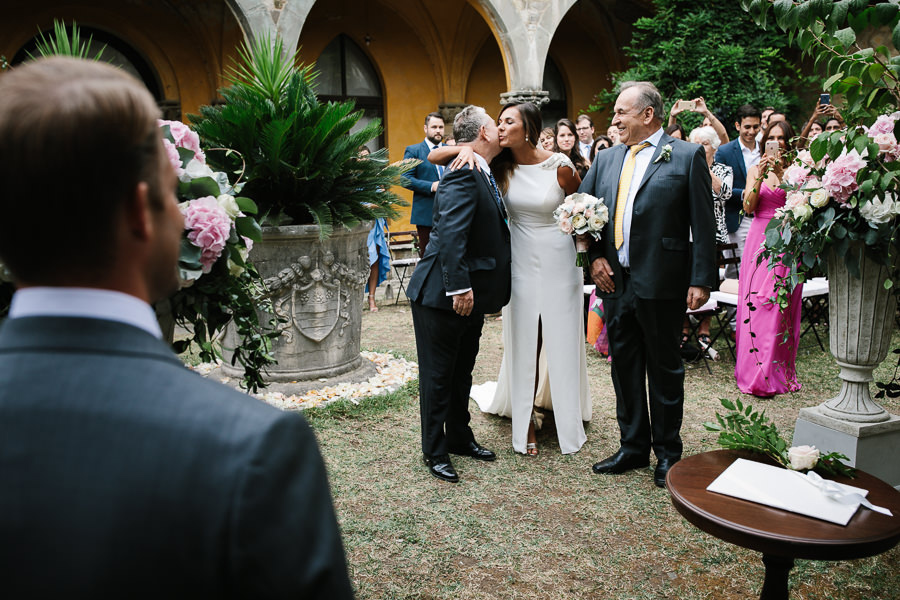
425,53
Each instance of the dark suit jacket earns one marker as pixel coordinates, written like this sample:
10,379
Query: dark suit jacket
731,155
125,475
419,180
674,198
469,246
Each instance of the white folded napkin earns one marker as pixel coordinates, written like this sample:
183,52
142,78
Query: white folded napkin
791,491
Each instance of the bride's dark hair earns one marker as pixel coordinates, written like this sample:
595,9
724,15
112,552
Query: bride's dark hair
504,164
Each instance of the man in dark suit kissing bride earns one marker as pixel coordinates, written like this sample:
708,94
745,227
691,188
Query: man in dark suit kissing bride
464,275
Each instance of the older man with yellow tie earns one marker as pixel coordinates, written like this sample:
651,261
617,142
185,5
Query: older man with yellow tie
648,272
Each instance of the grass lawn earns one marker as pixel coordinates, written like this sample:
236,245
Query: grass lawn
547,527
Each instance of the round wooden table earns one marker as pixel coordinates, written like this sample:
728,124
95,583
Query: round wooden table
781,536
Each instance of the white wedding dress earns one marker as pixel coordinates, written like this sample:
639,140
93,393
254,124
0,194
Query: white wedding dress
546,285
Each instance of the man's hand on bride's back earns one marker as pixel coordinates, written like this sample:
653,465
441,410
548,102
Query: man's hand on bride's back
466,156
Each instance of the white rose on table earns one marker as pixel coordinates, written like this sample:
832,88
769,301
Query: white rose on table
803,458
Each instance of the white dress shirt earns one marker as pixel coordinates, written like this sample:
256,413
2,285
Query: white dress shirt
641,162
585,150
751,157
438,168
87,303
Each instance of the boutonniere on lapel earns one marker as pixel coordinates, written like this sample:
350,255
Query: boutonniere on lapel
665,155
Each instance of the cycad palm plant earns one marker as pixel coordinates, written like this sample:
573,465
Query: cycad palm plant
299,155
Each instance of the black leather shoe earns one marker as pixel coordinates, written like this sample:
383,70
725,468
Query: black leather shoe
662,468
441,467
620,462
476,451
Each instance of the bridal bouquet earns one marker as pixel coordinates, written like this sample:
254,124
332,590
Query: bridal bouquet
218,284
579,215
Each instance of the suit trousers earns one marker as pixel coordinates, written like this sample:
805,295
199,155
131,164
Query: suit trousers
447,345
424,233
643,344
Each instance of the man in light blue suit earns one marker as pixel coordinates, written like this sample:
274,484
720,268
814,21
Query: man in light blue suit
424,179
122,473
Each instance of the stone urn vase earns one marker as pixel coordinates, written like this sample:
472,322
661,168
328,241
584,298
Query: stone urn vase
861,312
315,287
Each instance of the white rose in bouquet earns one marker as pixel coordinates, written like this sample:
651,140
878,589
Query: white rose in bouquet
578,222
803,458
879,211
229,205
802,212
819,198
196,169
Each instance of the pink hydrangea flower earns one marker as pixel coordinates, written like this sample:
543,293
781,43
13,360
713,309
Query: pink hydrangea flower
796,175
208,227
172,154
795,199
883,124
840,175
185,137
806,158
888,146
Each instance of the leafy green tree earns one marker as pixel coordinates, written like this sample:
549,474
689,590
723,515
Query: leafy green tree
711,49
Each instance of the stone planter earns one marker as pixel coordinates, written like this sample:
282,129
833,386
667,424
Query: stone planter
315,288
861,321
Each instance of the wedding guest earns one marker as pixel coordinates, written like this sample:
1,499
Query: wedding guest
548,139
740,155
764,121
601,143
709,119
424,178
767,336
722,177
379,253
613,134
124,474
565,142
835,123
584,127
815,124
676,131
815,128
647,272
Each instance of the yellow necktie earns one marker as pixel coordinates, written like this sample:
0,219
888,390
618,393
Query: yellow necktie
622,195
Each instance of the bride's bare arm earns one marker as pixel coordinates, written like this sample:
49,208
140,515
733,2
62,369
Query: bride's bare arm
567,179
443,155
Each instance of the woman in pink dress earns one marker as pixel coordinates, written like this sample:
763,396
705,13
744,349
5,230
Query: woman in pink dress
767,336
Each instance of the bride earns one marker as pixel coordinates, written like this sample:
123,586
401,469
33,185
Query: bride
545,310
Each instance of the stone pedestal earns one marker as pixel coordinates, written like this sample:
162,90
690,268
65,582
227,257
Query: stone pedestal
872,447
315,287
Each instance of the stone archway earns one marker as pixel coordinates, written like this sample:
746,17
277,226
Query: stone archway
284,18
524,29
